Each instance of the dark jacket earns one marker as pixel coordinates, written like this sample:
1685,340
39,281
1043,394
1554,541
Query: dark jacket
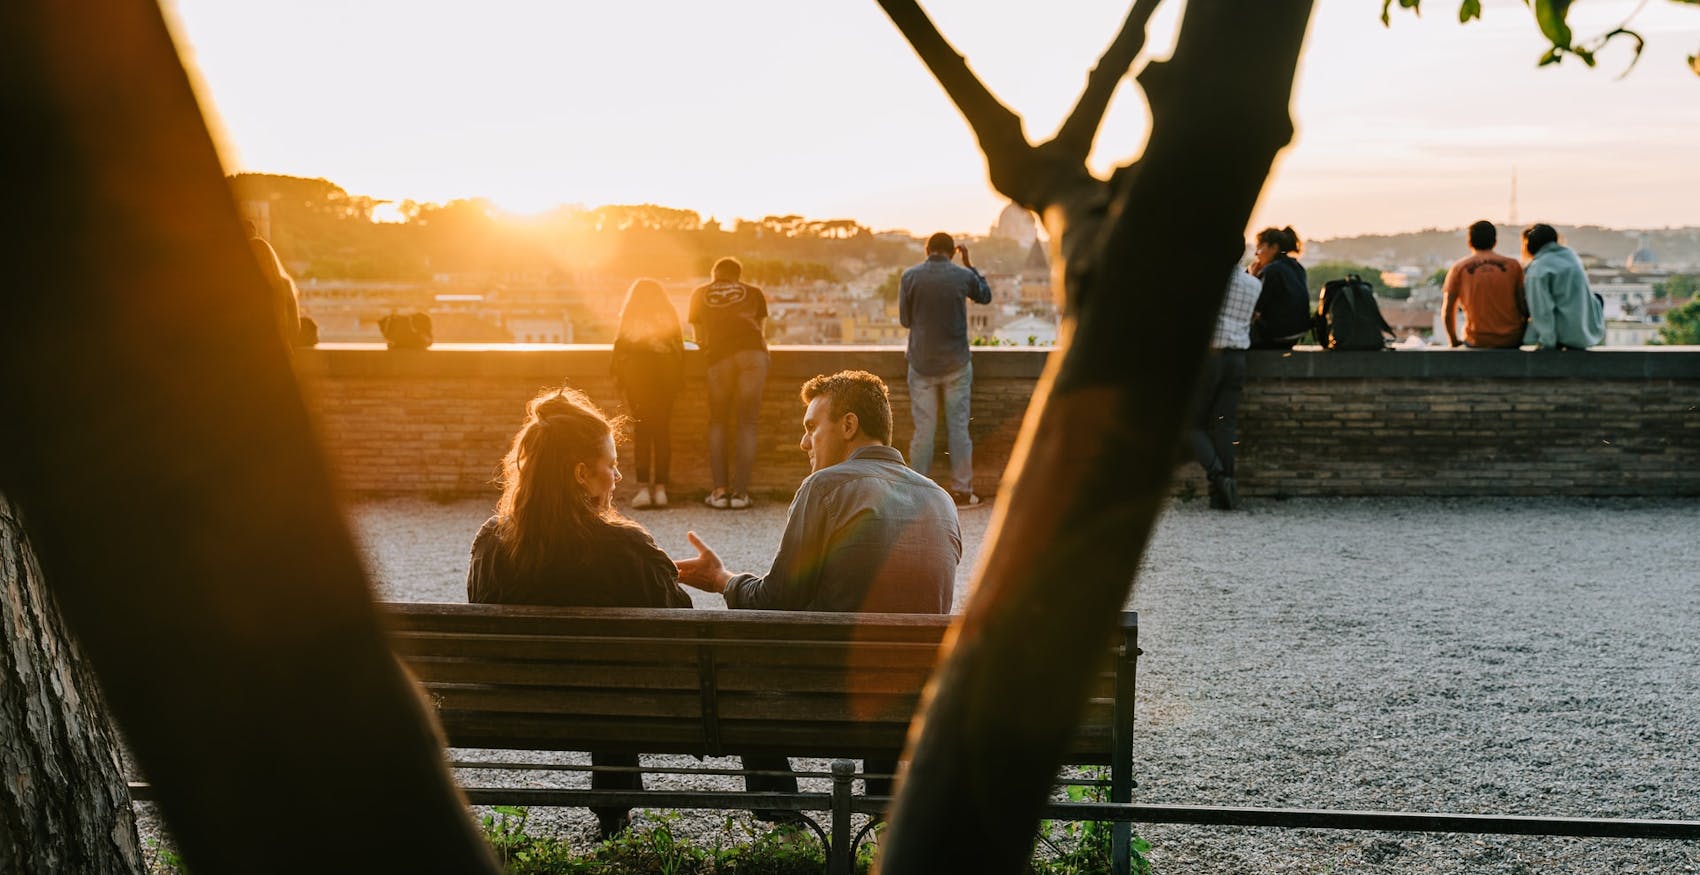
648,371
621,568
1283,307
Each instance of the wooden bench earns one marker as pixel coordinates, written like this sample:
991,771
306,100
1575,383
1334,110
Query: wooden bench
712,683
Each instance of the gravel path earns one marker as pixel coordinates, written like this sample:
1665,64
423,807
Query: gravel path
1504,656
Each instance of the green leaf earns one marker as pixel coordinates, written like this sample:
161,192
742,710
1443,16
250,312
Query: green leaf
1413,5
1471,9
1551,16
1552,56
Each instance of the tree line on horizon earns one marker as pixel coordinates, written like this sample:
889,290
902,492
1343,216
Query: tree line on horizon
322,231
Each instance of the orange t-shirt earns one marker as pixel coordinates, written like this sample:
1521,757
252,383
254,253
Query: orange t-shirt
1489,287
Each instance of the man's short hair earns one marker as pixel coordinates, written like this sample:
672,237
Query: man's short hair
727,269
1483,235
941,244
1538,235
857,392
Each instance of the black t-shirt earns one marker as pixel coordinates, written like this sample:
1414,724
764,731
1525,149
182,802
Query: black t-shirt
728,317
620,568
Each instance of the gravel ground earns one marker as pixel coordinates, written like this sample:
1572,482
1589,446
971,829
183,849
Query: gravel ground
1494,656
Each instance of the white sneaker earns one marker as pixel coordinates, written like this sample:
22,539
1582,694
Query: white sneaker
660,495
642,499
739,502
718,502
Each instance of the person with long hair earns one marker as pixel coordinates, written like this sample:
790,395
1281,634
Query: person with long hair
556,539
649,368
1282,315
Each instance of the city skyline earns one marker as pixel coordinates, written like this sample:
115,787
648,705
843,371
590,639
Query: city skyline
534,106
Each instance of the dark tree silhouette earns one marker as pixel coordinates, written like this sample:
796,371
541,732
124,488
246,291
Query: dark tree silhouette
1149,248
158,448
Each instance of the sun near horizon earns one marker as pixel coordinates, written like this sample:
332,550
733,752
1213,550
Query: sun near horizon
760,107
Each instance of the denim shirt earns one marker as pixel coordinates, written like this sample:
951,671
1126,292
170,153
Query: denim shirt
932,303
867,534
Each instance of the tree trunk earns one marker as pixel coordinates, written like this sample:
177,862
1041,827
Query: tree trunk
1143,259
153,435
63,803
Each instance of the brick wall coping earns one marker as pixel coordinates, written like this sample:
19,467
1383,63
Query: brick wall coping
553,361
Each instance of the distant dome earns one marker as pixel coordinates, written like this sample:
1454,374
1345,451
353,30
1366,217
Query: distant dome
1643,259
1016,223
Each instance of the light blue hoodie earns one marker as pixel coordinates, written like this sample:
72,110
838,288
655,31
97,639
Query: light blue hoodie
1562,309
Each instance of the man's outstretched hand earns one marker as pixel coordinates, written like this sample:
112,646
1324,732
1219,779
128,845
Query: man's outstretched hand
704,572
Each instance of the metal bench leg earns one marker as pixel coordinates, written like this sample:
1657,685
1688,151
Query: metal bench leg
840,856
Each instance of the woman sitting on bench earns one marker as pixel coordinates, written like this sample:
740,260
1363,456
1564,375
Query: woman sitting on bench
557,540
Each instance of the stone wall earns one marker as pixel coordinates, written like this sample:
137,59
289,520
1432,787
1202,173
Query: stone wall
1604,422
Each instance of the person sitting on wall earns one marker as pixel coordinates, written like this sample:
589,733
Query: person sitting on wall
1564,313
1489,288
556,539
1282,315
865,533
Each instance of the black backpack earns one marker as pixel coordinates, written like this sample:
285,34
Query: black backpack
406,331
1348,318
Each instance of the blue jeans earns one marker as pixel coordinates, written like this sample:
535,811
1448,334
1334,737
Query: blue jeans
924,395
734,402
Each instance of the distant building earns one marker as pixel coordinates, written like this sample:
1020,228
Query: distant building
1642,260
1621,332
1016,223
1028,331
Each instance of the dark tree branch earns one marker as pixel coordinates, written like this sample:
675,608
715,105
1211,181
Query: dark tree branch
1009,156
1144,261
1075,137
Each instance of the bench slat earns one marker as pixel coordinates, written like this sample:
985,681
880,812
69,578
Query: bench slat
559,700
432,670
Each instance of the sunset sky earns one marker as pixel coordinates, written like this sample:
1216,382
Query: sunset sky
746,108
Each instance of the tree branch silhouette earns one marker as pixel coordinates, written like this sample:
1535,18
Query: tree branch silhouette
1138,257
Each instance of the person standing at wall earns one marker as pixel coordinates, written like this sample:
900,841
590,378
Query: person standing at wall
649,367
1489,288
1564,313
932,303
726,316
1283,304
1216,426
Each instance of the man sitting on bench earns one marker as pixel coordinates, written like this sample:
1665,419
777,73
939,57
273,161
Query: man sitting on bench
865,533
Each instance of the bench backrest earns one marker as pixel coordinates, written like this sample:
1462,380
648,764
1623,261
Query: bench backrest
703,682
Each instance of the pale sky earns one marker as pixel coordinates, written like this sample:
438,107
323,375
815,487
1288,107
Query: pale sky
746,108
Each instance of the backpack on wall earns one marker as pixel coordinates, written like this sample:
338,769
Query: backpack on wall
1347,317
406,330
